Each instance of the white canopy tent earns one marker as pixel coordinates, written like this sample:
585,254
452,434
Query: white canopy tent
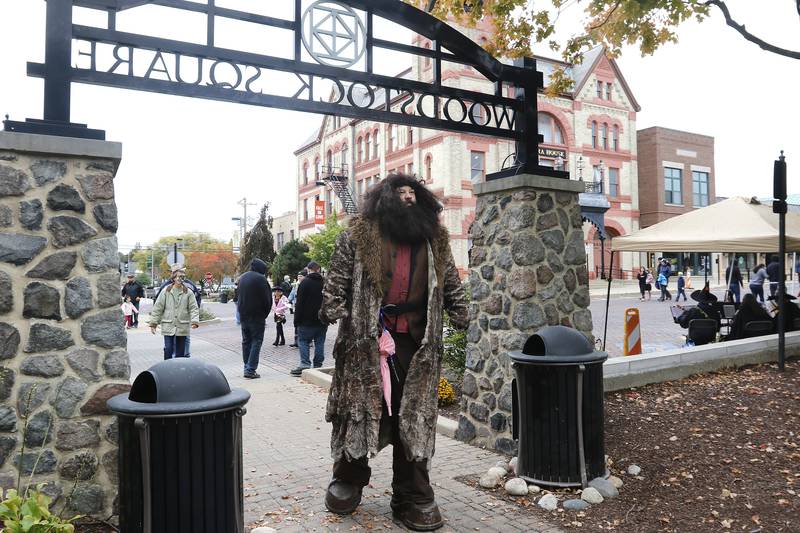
734,225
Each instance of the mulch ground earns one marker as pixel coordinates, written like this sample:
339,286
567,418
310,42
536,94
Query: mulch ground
718,452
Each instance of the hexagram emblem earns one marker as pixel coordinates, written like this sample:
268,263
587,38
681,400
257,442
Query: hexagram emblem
333,34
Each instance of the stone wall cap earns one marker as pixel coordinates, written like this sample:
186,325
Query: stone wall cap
69,146
525,181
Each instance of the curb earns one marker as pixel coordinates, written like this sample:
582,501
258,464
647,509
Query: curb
322,377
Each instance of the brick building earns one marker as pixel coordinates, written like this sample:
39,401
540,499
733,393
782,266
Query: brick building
676,175
590,132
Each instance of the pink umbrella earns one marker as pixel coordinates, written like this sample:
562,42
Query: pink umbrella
387,349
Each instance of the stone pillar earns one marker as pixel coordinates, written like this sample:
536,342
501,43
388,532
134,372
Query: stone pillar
527,270
62,339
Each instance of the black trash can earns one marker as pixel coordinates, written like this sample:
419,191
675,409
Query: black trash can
180,450
558,408
223,297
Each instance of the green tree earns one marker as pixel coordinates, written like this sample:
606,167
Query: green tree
647,24
144,279
258,242
320,245
291,259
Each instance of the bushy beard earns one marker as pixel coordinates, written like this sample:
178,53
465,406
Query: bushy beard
407,224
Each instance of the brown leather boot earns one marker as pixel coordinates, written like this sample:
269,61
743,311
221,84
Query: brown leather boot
341,497
418,517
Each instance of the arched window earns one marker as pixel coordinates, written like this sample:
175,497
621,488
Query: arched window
410,136
377,144
359,150
392,142
367,153
604,135
427,59
317,169
345,162
305,172
329,160
428,164
594,134
550,129
615,138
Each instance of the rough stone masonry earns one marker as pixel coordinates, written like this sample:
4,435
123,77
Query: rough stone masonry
62,338
527,270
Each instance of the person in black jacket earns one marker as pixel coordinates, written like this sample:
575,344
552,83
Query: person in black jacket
735,282
254,301
749,311
134,290
306,319
774,274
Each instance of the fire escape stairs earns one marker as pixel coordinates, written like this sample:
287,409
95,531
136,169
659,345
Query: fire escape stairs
337,179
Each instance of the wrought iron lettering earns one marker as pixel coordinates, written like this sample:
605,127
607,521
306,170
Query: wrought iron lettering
334,46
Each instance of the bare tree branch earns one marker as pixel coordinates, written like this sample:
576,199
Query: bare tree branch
749,36
608,16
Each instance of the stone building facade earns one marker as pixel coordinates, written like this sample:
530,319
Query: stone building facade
590,131
62,339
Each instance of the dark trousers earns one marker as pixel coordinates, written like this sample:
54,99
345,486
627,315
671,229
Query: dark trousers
252,337
136,314
410,479
174,345
681,291
279,338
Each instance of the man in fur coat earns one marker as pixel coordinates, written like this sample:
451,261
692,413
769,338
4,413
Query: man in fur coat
394,261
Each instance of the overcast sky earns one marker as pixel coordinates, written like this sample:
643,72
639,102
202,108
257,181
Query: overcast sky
186,162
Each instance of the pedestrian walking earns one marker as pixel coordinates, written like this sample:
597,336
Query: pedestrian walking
757,281
133,290
642,278
176,311
293,301
662,284
255,302
735,283
286,285
774,274
681,287
381,272
129,310
649,285
281,304
197,298
306,319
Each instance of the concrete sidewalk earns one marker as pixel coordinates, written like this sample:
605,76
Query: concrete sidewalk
287,463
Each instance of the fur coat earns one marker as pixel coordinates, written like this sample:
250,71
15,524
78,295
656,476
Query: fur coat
353,294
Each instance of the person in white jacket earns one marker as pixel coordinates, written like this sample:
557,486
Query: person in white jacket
176,311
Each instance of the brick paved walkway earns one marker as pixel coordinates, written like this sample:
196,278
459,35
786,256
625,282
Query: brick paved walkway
287,455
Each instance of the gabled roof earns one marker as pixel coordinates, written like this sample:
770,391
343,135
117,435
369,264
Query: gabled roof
313,139
580,73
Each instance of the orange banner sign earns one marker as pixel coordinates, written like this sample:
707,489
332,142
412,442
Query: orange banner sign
319,212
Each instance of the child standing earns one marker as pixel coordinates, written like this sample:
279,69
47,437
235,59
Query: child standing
681,287
128,309
281,305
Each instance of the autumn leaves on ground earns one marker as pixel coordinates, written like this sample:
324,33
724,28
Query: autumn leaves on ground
718,452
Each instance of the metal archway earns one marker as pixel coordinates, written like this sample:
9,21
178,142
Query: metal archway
333,42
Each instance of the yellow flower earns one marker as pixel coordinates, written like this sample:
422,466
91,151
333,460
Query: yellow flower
447,395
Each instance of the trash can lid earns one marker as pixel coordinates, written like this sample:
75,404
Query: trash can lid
558,345
178,386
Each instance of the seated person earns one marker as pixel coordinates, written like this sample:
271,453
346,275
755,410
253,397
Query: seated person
749,311
792,312
704,308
